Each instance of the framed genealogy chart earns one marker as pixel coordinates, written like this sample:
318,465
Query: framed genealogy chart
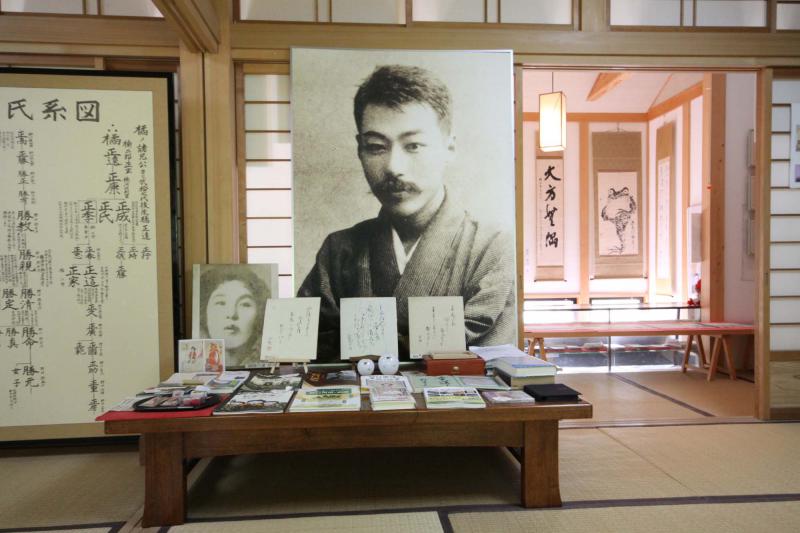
86,314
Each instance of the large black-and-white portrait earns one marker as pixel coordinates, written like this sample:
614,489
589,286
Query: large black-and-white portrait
228,302
404,184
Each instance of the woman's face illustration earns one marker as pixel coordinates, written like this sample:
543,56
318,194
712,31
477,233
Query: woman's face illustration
231,314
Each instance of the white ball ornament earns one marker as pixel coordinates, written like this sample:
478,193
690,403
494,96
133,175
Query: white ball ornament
389,364
366,367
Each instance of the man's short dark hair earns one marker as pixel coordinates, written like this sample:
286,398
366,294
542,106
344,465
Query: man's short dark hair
393,86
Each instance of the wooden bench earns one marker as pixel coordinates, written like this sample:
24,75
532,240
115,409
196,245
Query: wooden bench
168,443
721,331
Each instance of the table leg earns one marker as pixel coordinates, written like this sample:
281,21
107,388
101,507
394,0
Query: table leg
702,352
540,486
687,352
164,480
728,358
712,366
542,353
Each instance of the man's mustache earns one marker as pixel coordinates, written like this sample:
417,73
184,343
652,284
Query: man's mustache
394,185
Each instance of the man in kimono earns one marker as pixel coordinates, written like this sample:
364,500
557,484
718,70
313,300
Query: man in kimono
421,243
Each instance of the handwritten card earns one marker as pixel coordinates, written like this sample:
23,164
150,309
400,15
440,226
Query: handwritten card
368,326
290,330
436,324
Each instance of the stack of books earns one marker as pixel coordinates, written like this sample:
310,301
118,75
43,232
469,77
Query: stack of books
525,370
390,394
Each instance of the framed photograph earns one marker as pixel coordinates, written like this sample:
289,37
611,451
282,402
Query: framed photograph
404,184
228,303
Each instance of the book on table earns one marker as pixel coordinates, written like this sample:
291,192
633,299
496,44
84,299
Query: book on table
342,398
453,398
519,382
322,378
506,397
525,366
390,395
241,403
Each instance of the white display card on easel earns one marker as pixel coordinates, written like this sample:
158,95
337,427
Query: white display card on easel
436,324
368,326
290,330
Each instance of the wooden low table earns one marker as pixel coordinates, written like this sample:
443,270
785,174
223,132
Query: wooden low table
722,331
169,443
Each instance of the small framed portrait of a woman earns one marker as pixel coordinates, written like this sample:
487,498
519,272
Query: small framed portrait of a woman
228,302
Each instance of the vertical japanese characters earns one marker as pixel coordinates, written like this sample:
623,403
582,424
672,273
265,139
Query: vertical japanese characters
77,236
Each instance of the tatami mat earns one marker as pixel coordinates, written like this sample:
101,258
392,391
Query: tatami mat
774,517
426,522
354,480
58,490
721,459
721,396
594,466
614,399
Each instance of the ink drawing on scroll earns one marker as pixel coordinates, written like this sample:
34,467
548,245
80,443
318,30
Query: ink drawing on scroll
368,326
436,324
290,330
618,218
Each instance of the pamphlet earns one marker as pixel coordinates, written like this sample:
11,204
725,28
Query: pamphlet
368,382
226,383
453,398
265,381
484,382
255,402
419,381
345,398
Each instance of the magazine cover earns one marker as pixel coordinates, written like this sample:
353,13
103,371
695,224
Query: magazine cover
256,402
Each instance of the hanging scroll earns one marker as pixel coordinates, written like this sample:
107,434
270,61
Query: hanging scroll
665,207
85,249
549,219
618,249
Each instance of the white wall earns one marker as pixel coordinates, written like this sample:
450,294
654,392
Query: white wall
740,109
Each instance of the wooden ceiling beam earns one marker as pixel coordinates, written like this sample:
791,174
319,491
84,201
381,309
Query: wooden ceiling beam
195,21
604,82
84,31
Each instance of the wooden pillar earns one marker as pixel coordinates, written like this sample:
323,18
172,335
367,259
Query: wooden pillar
712,296
519,203
593,15
585,223
222,180
761,361
193,167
